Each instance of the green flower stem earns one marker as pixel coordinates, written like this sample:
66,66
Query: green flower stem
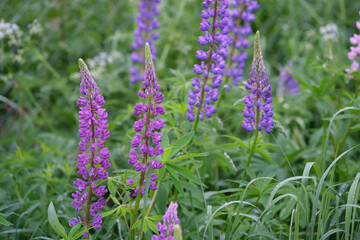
134,213
253,146
251,153
221,96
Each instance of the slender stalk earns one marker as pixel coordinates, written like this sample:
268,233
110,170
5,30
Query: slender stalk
147,214
122,199
152,201
127,206
127,225
222,93
133,216
204,79
253,146
252,150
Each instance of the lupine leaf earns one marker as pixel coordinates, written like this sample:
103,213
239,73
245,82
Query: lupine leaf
111,187
180,144
152,226
184,172
73,230
54,222
176,181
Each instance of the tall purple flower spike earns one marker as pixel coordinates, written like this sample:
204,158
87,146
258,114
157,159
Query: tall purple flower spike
286,83
354,54
93,162
214,18
170,219
147,23
241,16
146,144
258,111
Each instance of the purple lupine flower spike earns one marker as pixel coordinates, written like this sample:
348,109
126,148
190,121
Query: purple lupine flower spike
147,141
170,219
354,54
147,23
93,162
213,60
286,83
258,110
241,16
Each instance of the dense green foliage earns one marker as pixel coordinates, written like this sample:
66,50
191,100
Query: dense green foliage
303,180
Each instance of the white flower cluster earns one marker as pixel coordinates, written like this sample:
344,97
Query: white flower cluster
7,29
98,64
35,28
330,31
103,59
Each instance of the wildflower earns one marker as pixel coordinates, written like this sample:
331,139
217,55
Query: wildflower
258,111
147,23
7,29
212,61
91,165
170,220
354,53
286,83
239,27
330,31
147,141
35,28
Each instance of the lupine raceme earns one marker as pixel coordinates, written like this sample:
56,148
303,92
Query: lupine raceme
170,220
146,24
258,110
354,53
240,17
213,60
146,144
93,161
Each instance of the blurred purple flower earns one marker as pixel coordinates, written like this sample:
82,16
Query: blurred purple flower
286,83
354,53
146,24
241,16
